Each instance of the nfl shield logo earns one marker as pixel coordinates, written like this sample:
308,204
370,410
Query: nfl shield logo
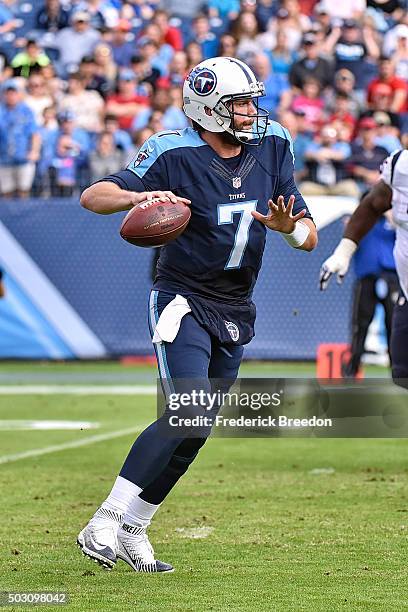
236,182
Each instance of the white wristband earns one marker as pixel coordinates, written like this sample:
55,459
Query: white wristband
298,236
345,249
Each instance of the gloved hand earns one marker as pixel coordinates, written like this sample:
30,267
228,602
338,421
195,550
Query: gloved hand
338,263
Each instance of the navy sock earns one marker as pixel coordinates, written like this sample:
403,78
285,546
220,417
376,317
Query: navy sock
183,457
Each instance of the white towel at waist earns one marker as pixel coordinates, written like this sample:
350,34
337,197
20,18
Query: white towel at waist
170,319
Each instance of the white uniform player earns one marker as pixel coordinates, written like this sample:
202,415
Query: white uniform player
391,192
394,173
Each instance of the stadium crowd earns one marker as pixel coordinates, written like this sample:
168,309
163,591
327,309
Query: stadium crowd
84,83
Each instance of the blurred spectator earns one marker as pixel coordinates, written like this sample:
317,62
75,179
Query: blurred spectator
325,160
52,16
311,103
29,60
87,106
126,103
366,157
346,9
322,18
227,48
342,118
393,38
306,7
137,10
149,51
397,87
188,9
177,71
296,18
140,137
170,35
102,13
246,31
145,73
48,130
81,141
251,5
224,9
51,130
122,48
275,84
291,21
194,54
19,142
104,64
63,170
55,86
176,97
6,72
156,121
172,117
281,57
381,98
164,52
301,140
203,35
263,9
400,55
355,49
311,65
344,82
92,78
389,7
75,41
37,97
7,21
121,138
71,145
106,158
387,131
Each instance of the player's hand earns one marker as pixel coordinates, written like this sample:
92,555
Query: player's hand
164,196
333,265
280,218
338,263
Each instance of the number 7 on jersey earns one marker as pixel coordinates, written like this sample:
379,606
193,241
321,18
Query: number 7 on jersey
226,215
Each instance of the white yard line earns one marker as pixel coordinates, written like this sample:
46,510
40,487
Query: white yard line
36,452
78,390
45,425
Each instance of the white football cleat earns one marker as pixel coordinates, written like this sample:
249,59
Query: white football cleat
134,548
99,539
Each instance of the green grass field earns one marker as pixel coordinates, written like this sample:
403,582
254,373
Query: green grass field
256,524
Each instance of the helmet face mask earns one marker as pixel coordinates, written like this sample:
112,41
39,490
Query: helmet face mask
255,133
210,92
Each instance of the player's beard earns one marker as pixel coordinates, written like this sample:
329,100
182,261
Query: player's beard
231,139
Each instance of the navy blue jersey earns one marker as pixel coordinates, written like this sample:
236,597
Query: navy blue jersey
220,252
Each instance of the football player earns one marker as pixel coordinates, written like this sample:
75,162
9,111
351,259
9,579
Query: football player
235,170
391,192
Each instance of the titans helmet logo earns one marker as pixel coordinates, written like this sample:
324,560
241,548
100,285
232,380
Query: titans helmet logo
203,81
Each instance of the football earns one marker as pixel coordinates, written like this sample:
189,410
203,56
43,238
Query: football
154,223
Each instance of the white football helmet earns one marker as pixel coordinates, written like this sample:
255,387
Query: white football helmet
214,84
